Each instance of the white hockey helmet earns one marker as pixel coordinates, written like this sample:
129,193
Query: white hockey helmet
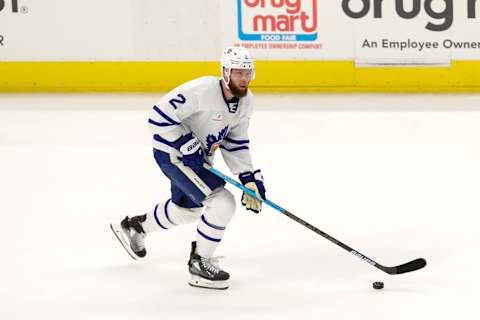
236,58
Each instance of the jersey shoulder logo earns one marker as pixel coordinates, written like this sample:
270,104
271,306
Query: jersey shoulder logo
214,141
217,117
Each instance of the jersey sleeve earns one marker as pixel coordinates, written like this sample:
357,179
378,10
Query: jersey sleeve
166,117
236,147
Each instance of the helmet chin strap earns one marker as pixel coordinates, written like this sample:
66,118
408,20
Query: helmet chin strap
225,82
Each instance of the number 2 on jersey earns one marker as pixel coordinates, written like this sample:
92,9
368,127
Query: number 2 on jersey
181,99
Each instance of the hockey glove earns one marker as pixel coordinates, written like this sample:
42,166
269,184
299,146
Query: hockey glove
254,182
192,153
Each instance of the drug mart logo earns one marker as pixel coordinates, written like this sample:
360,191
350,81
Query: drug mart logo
277,20
12,6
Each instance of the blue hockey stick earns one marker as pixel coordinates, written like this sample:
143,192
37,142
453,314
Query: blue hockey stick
403,268
246,190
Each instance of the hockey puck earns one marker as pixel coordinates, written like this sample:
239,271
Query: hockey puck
378,285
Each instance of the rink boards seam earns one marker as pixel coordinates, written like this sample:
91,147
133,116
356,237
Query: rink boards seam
272,76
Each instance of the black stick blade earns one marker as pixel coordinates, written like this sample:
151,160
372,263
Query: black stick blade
411,266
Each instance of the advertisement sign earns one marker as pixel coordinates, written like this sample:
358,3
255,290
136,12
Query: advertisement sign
13,5
403,31
261,20
69,30
274,28
9,7
374,31
109,30
414,31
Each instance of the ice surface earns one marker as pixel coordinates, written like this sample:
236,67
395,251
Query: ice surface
396,177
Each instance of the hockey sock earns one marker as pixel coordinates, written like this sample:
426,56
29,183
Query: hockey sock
220,207
167,215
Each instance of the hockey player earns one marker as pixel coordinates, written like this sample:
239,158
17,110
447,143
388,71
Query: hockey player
188,126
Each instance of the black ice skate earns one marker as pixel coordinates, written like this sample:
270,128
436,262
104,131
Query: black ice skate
205,273
131,235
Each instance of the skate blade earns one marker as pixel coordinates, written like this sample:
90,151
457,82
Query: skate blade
118,232
199,282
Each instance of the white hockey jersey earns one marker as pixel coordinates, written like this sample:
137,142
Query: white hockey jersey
200,107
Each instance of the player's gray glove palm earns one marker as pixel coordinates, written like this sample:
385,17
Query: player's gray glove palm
254,182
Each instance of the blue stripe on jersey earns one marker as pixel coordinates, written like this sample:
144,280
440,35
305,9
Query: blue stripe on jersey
234,149
157,138
210,224
160,124
175,144
156,218
165,209
160,112
236,141
207,237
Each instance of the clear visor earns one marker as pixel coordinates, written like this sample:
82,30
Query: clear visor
248,74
